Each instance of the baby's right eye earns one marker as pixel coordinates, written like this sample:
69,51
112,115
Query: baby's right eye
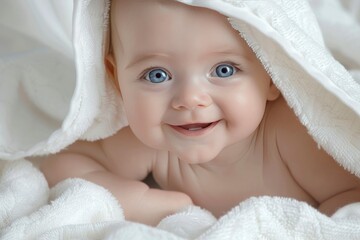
157,75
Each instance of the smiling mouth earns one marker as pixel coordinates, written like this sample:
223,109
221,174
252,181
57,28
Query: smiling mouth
195,126
194,129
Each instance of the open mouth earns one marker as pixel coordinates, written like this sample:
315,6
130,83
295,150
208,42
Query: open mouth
194,129
195,126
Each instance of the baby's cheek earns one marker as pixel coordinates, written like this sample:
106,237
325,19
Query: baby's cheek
136,111
248,116
147,130
151,137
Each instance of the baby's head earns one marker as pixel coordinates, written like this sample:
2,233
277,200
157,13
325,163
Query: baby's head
190,84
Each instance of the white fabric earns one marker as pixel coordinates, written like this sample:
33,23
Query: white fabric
37,74
53,91
73,205
340,24
81,210
52,88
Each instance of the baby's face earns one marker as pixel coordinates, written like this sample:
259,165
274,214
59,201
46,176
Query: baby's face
189,83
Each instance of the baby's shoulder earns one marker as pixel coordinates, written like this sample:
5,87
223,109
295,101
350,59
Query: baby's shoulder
296,147
292,138
312,168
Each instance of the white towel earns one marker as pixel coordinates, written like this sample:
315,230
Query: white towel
78,209
74,207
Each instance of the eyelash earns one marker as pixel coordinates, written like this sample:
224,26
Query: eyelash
236,66
149,69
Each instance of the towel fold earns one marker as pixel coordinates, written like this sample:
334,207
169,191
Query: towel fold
73,207
78,209
22,191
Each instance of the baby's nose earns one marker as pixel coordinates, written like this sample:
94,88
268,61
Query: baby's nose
190,96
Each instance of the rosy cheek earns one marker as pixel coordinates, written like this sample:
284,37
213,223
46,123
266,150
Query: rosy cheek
141,111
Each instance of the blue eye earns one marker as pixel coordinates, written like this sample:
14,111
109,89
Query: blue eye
157,76
224,70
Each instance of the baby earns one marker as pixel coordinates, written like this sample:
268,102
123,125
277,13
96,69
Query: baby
204,119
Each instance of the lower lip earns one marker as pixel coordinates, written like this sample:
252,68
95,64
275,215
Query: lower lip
195,133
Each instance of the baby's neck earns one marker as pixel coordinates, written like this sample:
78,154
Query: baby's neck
236,155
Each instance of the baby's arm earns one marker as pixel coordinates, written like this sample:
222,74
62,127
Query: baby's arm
314,170
140,203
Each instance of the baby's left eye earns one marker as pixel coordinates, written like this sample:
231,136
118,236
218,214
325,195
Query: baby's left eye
224,70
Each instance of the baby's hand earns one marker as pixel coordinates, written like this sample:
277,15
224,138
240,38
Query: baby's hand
157,204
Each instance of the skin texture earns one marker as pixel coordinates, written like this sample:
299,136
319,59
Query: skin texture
208,139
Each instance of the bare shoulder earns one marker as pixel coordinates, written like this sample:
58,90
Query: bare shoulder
315,170
293,140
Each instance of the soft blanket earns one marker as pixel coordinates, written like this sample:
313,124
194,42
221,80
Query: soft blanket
77,209
52,92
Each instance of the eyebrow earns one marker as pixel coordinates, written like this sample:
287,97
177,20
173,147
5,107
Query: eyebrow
229,52
145,57
137,59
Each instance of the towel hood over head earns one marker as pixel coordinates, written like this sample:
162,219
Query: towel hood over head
54,90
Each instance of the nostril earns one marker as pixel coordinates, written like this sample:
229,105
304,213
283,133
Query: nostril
191,102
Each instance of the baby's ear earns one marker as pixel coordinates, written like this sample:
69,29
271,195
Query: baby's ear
110,66
273,92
